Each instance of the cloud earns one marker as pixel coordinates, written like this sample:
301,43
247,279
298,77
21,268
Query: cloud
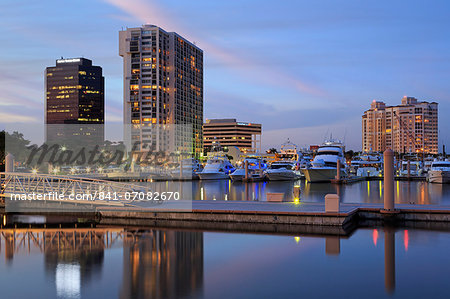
347,130
16,118
272,116
151,13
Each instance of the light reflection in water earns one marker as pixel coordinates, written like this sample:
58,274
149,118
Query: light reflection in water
406,239
360,192
68,280
375,236
154,263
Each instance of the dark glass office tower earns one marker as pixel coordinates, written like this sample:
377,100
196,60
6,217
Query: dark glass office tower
75,92
75,101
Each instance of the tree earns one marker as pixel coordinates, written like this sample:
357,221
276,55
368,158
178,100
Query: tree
16,145
272,151
349,155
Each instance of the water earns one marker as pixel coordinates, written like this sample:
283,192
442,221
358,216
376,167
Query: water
153,263
361,192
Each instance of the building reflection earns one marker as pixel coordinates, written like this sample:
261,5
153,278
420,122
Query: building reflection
163,264
74,258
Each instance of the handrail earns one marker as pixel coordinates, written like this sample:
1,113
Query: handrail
31,183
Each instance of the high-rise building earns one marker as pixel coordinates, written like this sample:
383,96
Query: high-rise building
75,92
163,85
229,132
75,102
411,127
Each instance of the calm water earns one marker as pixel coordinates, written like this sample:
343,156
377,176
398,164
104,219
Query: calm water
361,192
148,263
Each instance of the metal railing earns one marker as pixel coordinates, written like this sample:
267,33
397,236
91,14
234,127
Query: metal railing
26,183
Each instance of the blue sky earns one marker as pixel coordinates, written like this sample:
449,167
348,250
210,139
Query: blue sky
301,68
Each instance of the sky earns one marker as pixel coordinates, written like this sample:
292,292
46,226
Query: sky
304,69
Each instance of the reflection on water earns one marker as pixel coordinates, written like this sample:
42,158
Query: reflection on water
151,263
360,192
154,263
162,264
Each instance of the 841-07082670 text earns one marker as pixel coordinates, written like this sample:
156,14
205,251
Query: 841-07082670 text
107,196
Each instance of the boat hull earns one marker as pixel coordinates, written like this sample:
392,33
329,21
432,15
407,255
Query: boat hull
281,176
316,175
212,176
439,177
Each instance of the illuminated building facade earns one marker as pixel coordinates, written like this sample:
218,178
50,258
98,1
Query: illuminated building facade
163,85
75,102
163,264
75,92
229,132
411,127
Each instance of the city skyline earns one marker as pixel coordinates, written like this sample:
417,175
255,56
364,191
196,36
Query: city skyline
302,72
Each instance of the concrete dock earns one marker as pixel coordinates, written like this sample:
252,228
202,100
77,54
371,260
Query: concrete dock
273,217
265,217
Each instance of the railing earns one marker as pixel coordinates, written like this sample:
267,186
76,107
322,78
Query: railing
26,183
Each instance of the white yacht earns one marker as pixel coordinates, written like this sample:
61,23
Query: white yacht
256,168
282,171
439,172
415,168
367,165
287,163
188,169
324,166
217,167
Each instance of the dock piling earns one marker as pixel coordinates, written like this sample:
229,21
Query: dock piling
389,180
409,169
338,174
246,169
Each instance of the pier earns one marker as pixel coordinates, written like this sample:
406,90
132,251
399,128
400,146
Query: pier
249,216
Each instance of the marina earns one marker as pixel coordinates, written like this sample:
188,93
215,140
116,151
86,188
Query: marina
193,156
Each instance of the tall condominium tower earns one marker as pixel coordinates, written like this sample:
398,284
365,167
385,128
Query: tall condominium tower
163,85
411,127
75,102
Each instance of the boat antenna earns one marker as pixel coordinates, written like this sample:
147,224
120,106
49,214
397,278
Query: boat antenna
326,134
345,134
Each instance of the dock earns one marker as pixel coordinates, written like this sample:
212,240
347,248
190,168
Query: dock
275,217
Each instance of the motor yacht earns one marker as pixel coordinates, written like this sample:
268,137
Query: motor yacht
282,171
256,168
287,164
439,172
415,168
217,167
324,166
188,169
367,165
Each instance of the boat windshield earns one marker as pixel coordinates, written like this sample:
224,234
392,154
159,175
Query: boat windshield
327,153
441,165
278,166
